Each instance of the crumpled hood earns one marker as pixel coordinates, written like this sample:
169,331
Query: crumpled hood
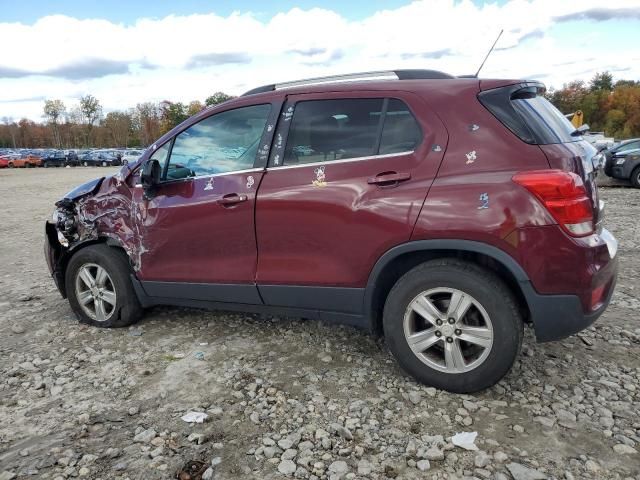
85,189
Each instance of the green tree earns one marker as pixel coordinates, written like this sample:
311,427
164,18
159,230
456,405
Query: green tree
91,111
171,114
53,111
217,98
601,81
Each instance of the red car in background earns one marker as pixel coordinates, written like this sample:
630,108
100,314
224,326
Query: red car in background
22,161
4,162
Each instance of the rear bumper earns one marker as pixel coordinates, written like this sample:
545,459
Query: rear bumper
594,271
556,317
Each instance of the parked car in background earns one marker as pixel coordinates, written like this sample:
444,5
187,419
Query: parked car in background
55,158
598,140
618,148
625,165
99,159
32,160
443,212
131,156
17,161
4,162
72,158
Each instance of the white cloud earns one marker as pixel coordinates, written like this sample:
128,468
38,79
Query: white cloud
189,57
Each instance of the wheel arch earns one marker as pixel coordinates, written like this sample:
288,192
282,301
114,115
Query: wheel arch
400,259
65,257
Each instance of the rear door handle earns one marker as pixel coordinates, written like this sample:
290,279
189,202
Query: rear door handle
389,178
232,199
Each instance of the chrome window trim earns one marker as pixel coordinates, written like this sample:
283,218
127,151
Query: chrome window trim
346,160
248,170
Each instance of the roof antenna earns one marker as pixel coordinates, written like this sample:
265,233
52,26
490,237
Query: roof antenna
490,50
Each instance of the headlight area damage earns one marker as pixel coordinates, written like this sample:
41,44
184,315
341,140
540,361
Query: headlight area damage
98,211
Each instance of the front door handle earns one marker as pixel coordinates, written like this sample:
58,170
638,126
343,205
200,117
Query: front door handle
232,199
389,178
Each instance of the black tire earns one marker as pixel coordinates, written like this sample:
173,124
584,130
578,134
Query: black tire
127,309
635,177
488,290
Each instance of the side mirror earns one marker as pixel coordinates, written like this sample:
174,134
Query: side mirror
150,177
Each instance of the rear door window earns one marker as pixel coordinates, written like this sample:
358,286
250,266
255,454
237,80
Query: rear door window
401,132
324,130
342,129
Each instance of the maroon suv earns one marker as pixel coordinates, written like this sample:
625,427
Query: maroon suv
444,212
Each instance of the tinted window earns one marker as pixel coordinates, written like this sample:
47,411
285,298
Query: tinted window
221,143
401,132
525,112
628,146
324,130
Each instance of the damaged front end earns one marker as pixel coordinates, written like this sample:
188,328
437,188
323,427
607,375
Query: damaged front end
97,211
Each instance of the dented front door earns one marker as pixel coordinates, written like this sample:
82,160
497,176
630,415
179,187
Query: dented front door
198,230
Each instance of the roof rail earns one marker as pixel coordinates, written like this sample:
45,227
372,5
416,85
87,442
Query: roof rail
415,74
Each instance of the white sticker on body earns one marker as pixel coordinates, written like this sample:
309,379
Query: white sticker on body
484,201
471,157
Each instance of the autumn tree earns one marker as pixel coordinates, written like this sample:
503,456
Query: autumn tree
91,111
146,121
118,124
195,107
53,112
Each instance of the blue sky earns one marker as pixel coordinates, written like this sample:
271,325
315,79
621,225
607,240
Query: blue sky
125,51
128,11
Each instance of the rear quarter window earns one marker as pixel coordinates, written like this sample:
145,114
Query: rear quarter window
529,115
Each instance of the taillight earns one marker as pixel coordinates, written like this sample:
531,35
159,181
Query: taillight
564,195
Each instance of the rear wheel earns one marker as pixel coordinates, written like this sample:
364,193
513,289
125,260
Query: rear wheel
453,325
635,177
99,288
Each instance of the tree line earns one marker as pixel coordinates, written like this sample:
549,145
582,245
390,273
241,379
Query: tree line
608,106
84,125
612,107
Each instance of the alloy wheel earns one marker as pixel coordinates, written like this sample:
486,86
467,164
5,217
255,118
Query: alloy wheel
95,292
448,330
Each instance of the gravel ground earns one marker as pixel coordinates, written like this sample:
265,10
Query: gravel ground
288,398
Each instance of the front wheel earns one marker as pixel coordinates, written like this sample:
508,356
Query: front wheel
99,288
635,177
453,325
